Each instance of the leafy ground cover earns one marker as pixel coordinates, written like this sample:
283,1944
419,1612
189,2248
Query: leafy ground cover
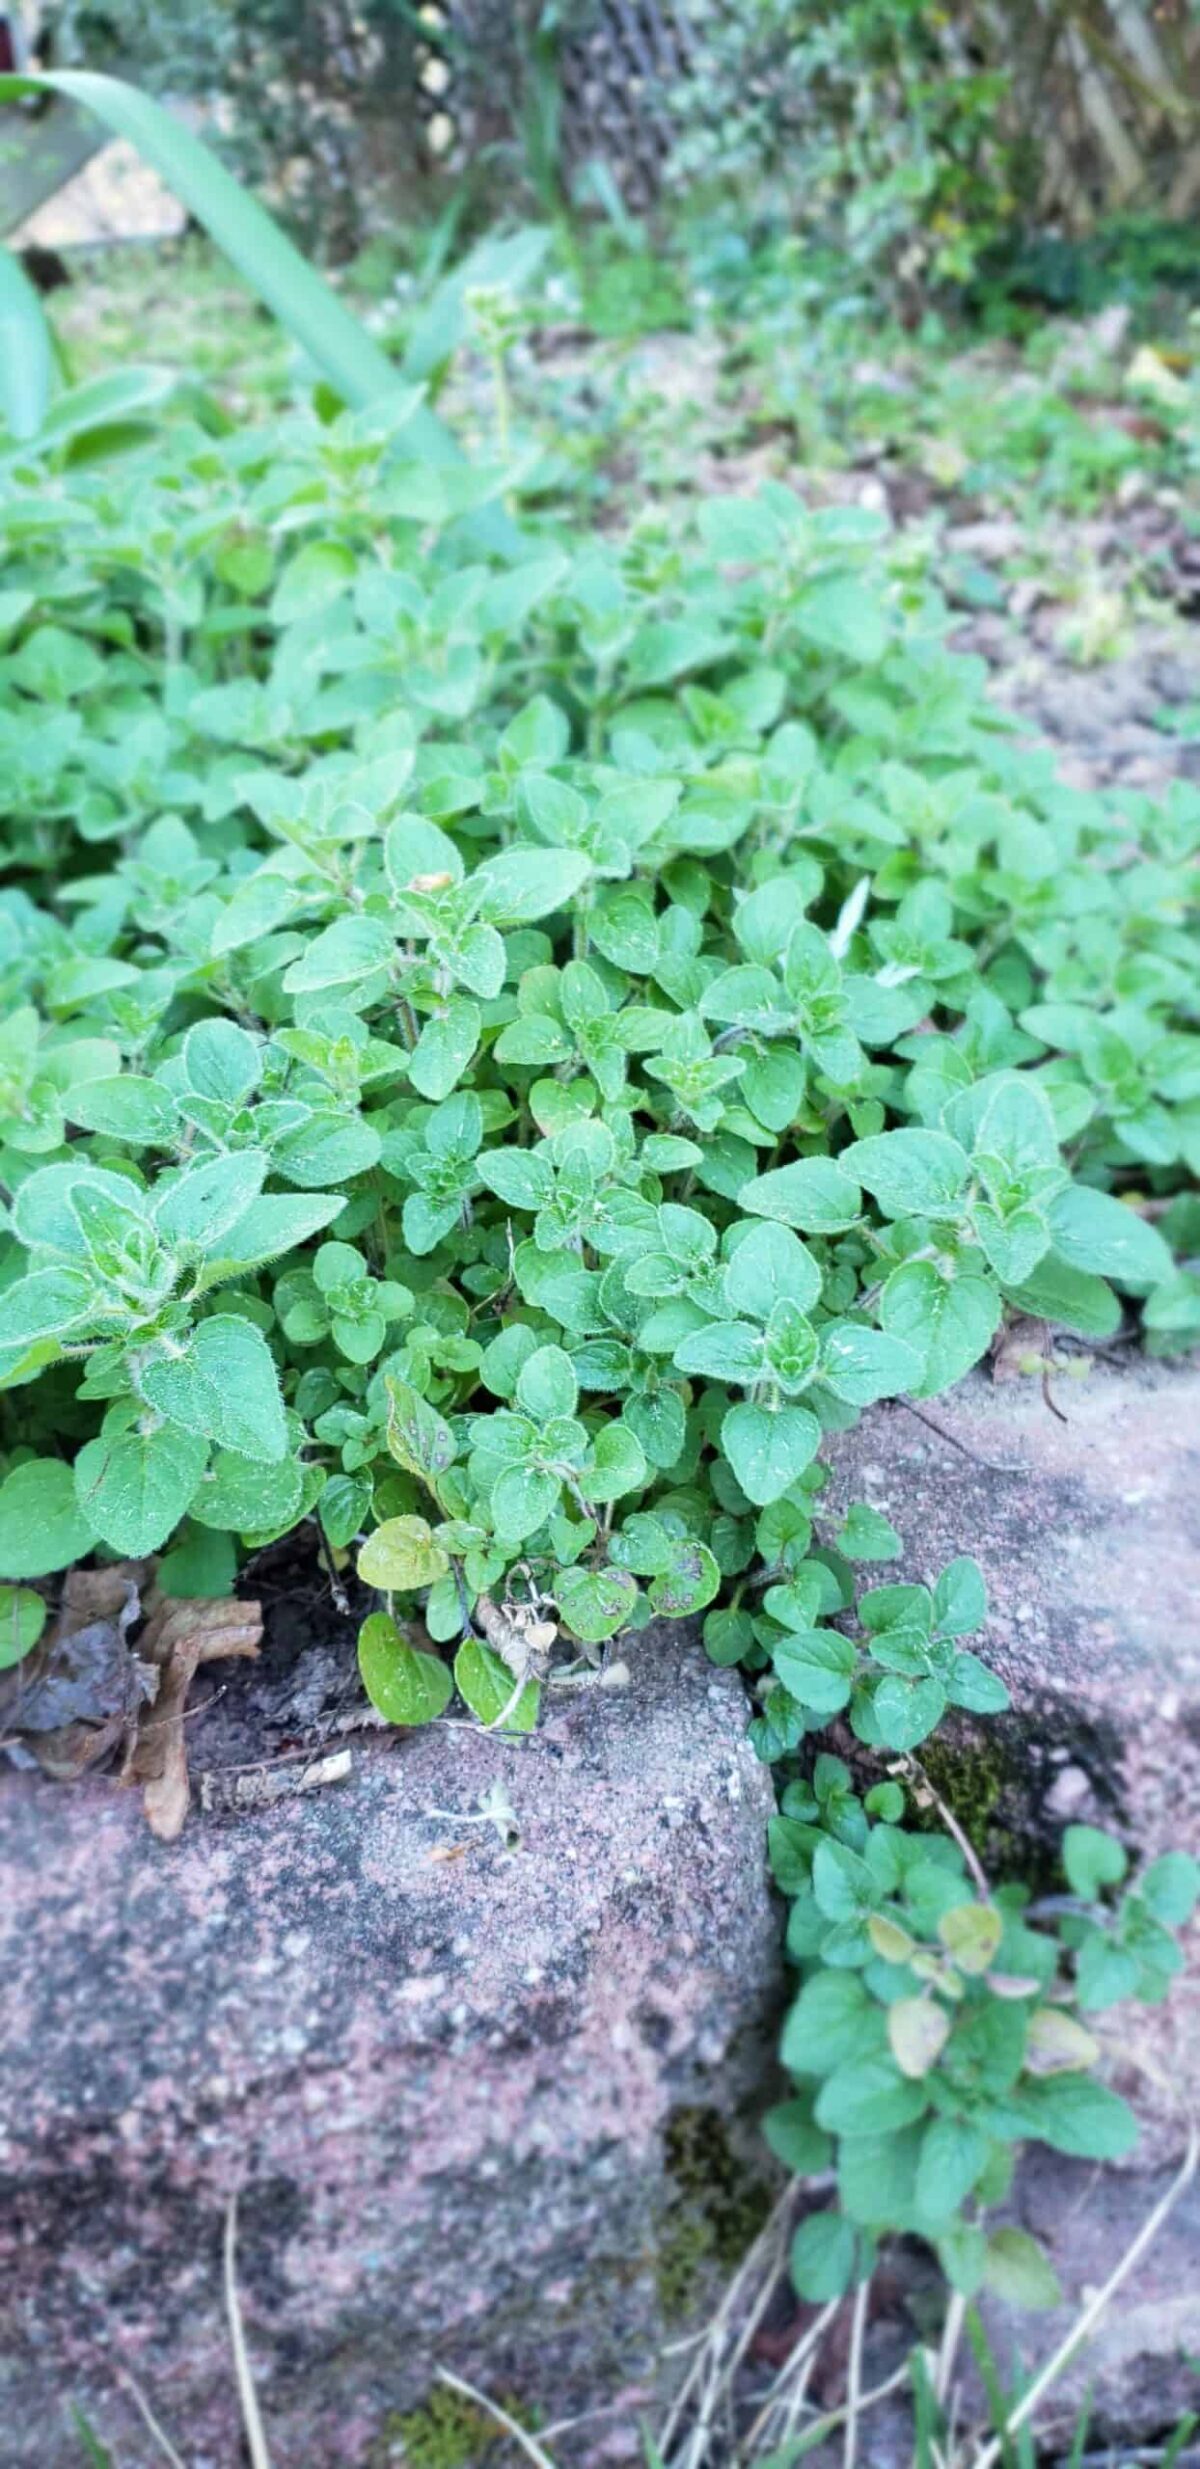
520,1023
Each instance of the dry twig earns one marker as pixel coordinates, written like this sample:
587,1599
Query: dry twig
178,1638
256,2441
1087,2321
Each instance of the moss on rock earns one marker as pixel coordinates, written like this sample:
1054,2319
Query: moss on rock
971,1777
717,2206
446,2431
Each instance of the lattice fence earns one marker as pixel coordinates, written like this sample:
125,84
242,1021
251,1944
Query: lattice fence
612,64
1106,93
318,95
1110,90
614,76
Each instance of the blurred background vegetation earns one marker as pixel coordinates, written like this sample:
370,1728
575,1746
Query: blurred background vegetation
907,143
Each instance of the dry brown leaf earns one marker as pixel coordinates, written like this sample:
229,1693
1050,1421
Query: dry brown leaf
102,1594
518,1634
178,1637
260,1787
78,1695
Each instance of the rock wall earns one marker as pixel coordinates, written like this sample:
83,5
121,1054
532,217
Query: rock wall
481,2100
485,2101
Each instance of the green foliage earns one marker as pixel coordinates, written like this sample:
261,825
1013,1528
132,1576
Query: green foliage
1141,258
511,1038
303,302
938,2021
447,2431
530,1034
715,2207
26,351
316,104
867,122
91,2448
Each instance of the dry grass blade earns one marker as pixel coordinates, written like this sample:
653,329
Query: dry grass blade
707,2386
145,2412
779,2418
951,2336
256,2441
528,2443
1086,2323
828,2424
858,2325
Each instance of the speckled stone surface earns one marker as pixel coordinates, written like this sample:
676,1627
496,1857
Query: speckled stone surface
1088,1533
441,2073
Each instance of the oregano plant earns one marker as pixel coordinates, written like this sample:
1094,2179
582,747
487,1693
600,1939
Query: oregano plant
943,2021
511,1037
562,984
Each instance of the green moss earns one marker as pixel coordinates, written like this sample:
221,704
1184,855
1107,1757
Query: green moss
447,2431
994,1787
971,1780
715,2210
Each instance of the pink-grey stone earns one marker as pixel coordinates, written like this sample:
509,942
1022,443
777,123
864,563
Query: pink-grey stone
445,2074
1088,1533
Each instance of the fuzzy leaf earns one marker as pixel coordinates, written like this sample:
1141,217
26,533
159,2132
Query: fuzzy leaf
918,2030
487,1686
816,1194
1092,1231
444,1048
1018,2270
133,1487
223,1385
595,1603
769,1448
404,1684
401,1556
42,1527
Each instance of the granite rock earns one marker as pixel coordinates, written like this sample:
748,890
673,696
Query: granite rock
480,2098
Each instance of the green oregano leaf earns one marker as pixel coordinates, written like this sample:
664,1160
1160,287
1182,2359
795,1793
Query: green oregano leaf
404,1684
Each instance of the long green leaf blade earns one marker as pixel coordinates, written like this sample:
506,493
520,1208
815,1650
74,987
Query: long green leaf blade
26,351
295,293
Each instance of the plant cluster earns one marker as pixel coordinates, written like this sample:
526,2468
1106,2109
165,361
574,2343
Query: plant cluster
916,145
939,2022
511,1039
875,126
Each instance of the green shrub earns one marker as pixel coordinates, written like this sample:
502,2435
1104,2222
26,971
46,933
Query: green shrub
506,1046
873,127
941,2023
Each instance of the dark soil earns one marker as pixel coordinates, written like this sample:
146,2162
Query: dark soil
302,1693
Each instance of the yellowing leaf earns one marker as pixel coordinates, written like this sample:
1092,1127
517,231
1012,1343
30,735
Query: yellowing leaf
1150,374
402,1555
918,2031
972,1934
1018,2272
890,1941
1057,2044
